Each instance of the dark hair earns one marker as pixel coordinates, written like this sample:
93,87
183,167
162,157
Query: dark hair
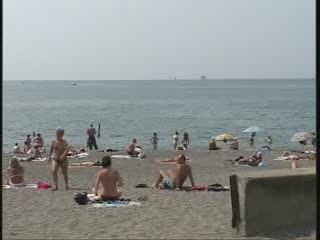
185,135
177,133
154,133
91,125
28,135
134,140
16,144
106,161
25,143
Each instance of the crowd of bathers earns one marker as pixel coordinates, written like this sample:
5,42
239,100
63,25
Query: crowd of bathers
108,179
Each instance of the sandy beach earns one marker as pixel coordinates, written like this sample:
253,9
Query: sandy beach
41,214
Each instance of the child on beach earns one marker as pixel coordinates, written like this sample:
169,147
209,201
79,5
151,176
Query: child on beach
15,173
175,140
251,140
175,179
185,140
154,141
16,149
58,153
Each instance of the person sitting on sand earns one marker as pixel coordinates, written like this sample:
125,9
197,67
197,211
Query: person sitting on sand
294,158
58,153
15,173
131,148
213,145
253,160
36,155
107,182
234,145
16,149
175,180
27,148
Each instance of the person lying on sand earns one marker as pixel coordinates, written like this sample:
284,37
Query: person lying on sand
88,164
74,151
294,158
107,182
253,160
15,173
175,179
58,153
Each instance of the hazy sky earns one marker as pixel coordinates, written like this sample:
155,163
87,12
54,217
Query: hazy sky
158,39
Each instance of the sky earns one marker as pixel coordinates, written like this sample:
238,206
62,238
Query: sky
152,39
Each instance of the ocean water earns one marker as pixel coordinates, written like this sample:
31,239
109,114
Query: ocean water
127,109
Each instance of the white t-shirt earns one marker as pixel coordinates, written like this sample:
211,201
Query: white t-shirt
175,139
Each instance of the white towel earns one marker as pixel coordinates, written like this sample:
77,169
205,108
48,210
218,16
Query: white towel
80,155
16,187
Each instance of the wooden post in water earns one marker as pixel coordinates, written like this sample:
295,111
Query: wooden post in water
99,130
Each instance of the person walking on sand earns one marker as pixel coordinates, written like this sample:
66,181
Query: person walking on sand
185,140
176,179
175,140
107,182
58,155
91,137
154,141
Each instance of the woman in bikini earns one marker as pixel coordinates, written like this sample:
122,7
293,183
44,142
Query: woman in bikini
59,150
15,173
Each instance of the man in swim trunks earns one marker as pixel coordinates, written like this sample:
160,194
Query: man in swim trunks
60,149
91,137
174,180
107,182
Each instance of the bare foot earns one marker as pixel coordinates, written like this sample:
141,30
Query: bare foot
155,187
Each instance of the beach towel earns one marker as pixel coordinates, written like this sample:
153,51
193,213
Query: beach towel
122,156
21,187
115,204
164,162
33,160
261,164
80,155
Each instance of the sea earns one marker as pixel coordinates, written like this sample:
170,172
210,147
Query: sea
129,109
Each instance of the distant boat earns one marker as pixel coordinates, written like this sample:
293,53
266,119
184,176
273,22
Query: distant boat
203,78
74,84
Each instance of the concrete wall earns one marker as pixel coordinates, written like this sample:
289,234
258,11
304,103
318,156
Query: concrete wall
274,203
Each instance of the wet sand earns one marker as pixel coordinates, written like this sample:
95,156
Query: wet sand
41,214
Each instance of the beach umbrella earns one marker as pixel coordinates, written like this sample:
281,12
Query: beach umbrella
225,136
300,136
254,129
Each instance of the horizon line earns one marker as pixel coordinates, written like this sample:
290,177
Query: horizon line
177,79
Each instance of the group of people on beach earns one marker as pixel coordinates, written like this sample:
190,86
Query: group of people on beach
108,179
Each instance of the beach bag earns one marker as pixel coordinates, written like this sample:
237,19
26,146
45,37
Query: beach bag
81,198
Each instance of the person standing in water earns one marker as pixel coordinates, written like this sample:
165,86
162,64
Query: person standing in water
269,140
91,137
185,140
175,140
251,140
154,141
58,155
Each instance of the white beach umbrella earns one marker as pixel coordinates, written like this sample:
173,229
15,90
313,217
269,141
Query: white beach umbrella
254,129
300,136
